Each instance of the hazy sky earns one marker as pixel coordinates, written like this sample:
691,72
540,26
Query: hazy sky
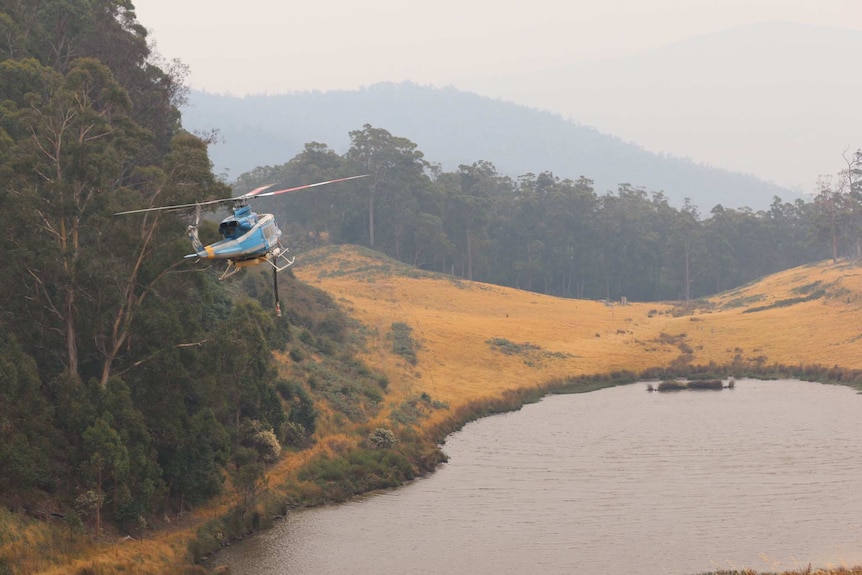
265,46
270,47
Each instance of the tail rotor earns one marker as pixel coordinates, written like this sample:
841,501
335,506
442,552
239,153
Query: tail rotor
192,231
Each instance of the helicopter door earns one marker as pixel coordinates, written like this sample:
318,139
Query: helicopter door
270,233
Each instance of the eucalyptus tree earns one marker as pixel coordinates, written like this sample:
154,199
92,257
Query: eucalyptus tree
317,213
107,325
630,236
470,207
58,32
719,234
88,119
571,208
851,178
245,368
837,209
395,167
321,210
153,244
830,214
27,441
522,234
74,139
689,248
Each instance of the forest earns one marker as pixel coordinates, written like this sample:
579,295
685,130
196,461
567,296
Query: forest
130,383
551,235
133,382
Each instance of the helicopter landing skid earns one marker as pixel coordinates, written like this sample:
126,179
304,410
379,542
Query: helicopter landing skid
278,259
231,269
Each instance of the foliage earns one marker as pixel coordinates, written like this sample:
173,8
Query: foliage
559,236
533,354
135,385
403,343
358,471
507,347
131,383
695,384
382,438
301,416
787,302
26,436
414,409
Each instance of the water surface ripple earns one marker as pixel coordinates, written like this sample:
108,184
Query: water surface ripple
616,481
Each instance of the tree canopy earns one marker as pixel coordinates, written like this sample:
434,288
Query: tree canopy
132,382
129,379
552,235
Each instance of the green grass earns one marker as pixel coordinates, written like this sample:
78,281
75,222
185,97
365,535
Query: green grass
403,344
532,354
787,302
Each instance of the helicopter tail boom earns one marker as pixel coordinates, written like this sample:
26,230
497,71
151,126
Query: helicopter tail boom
199,248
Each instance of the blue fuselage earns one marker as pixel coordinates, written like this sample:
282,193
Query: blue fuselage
247,235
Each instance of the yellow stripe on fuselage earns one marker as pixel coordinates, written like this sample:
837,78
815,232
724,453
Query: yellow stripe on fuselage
210,252
251,262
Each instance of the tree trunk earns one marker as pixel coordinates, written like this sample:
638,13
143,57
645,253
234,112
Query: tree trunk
71,333
469,256
687,287
371,216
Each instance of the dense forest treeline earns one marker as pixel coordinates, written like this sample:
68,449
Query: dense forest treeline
552,235
132,384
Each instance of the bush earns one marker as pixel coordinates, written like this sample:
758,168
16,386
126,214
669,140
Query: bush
297,355
403,343
670,385
711,384
333,326
382,438
358,471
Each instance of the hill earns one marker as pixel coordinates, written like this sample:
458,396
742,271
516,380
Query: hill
772,98
800,316
453,127
451,350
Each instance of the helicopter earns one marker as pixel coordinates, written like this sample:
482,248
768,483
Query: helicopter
248,238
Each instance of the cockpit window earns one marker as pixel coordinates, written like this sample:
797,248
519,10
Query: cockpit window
227,229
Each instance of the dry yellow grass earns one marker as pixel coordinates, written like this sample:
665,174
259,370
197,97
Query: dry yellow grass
453,320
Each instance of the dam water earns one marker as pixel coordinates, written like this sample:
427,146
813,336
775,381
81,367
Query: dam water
767,475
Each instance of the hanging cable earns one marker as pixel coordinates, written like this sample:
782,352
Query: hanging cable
275,289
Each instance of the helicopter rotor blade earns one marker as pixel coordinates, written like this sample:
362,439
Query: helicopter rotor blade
297,188
255,193
178,206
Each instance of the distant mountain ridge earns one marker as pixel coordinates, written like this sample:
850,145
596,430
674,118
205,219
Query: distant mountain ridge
777,99
453,127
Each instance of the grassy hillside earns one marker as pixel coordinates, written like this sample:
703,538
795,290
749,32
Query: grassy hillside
445,346
808,315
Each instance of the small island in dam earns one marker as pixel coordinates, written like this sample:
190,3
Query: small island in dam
695,385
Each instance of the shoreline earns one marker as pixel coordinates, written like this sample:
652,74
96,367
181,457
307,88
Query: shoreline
586,387
513,400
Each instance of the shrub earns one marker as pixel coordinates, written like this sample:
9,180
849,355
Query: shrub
382,438
383,382
403,343
297,355
712,384
670,385
333,326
